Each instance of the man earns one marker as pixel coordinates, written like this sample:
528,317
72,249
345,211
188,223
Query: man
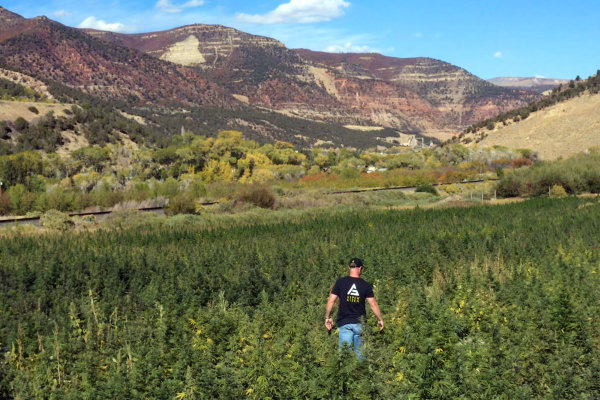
352,291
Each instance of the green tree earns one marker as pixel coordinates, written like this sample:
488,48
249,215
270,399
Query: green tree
21,125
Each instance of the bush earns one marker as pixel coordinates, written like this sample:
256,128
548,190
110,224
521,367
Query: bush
85,221
183,203
427,188
54,219
34,110
21,124
592,180
5,203
21,199
558,191
259,195
520,162
509,186
350,173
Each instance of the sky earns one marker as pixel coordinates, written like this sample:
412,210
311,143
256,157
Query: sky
489,38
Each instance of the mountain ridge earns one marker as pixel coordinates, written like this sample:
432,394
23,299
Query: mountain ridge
536,84
295,78
216,66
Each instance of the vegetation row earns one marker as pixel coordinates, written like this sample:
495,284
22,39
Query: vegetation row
192,168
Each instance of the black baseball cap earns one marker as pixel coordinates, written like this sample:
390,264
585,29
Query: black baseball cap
355,263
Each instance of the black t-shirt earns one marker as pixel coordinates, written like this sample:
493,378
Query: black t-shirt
352,293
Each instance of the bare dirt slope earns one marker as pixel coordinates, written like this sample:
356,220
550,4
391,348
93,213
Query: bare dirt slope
564,129
11,110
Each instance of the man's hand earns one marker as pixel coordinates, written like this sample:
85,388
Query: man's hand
330,302
375,308
328,324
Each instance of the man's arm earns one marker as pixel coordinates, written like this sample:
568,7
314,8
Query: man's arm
330,302
375,308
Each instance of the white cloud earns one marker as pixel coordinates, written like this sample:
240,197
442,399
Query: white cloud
168,6
299,11
61,13
93,23
498,54
348,47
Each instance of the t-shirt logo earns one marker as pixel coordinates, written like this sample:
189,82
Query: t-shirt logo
353,291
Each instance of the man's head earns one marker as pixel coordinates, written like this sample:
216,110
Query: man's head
356,266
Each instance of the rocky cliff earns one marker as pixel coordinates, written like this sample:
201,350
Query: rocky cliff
418,95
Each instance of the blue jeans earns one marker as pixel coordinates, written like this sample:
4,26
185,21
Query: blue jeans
352,334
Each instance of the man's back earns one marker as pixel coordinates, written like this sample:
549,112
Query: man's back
352,293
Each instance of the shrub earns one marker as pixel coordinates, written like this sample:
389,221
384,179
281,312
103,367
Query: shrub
21,199
183,203
427,188
350,173
509,186
56,220
452,189
592,181
520,162
558,191
85,221
21,124
5,203
34,110
259,195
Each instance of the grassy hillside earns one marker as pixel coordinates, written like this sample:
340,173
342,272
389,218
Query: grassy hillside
560,124
561,130
484,302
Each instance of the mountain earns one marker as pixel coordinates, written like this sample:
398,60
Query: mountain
431,95
8,20
414,95
211,74
560,124
44,48
538,85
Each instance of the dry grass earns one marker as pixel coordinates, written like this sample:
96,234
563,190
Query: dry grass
557,131
11,110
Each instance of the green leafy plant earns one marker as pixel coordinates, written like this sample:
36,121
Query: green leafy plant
427,188
558,191
56,220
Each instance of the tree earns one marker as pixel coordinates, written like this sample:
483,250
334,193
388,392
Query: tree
15,169
21,125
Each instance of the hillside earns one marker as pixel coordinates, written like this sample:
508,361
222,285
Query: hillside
562,123
11,110
44,48
558,131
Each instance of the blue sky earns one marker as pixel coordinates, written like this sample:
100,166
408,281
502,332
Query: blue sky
490,38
